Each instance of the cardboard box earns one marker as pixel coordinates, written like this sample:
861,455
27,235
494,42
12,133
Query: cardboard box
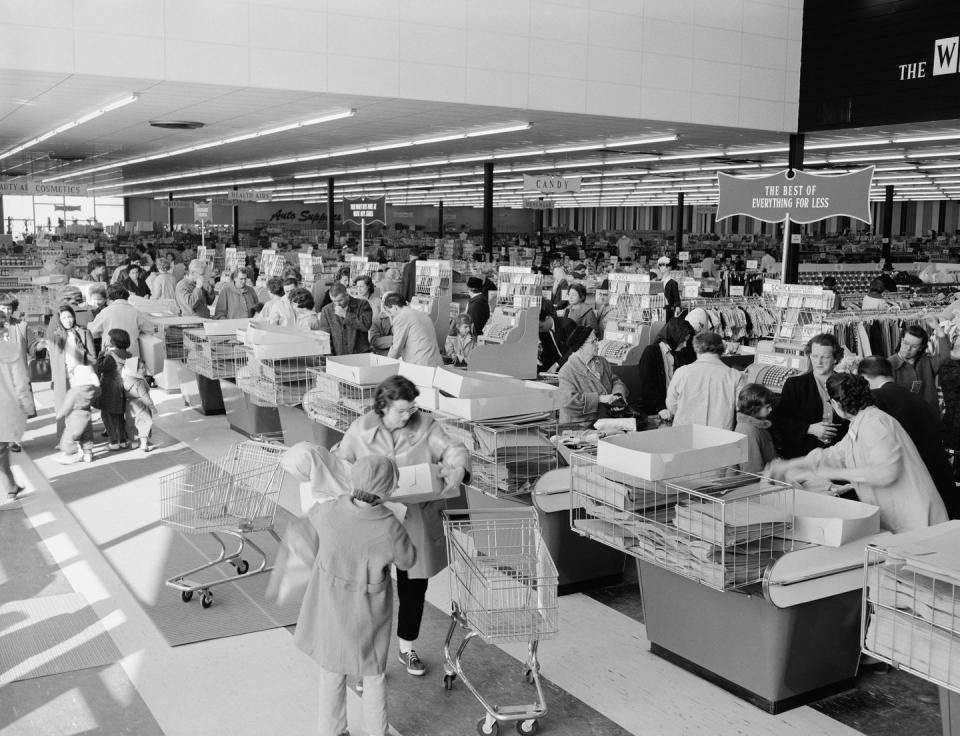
420,484
832,521
364,369
428,399
153,352
475,384
496,407
224,326
421,375
672,452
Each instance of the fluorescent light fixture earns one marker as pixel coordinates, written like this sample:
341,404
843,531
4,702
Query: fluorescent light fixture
935,154
751,151
498,131
679,156
439,139
642,141
855,159
926,138
209,144
67,126
863,143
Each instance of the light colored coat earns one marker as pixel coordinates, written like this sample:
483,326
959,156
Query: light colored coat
422,440
880,459
16,401
704,392
345,620
580,390
163,286
122,315
77,350
234,303
415,338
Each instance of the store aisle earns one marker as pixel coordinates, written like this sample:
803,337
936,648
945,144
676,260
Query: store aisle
258,683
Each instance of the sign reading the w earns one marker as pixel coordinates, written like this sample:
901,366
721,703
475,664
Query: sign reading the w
945,55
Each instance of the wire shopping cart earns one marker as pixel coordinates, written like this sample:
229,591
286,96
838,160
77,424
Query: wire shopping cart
233,496
503,587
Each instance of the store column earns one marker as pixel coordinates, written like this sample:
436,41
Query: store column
679,240
236,223
887,224
538,225
170,213
488,208
330,241
440,220
791,250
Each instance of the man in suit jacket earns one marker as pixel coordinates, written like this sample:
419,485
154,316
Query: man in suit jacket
919,420
914,367
408,278
479,305
348,322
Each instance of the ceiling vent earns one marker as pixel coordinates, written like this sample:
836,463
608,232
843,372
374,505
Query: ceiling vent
177,124
13,173
66,157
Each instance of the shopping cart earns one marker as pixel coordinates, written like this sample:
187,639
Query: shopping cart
231,496
503,587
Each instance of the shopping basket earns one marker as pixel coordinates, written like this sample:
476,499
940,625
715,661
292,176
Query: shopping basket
231,496
503,587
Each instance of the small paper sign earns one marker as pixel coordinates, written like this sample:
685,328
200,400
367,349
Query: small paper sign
752,264
736,291
683,255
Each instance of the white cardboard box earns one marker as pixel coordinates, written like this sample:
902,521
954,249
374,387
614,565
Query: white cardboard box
153,352
421,483
363,369
832,521
672,452
420,375
224,326
428,399
476,384
495,407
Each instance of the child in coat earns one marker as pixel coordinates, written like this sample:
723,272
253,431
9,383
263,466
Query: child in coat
76,442
140,407
113,397
459,346
754,405
345,620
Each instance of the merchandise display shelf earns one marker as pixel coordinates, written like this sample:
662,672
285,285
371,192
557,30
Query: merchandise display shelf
336,402
276,381
213,356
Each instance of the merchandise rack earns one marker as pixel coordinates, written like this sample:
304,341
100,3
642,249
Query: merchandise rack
911,615
213,356
274,381
170,330
507,458
721,528
336,402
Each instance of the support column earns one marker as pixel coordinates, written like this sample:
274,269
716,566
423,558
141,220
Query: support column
679,236
169,213
440,220
791,250
488,208
538,226
126,211
236,223
331,243
887,223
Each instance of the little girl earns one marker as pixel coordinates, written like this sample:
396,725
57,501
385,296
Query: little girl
76,442
459,346
345,620
113,397
753,407
140,407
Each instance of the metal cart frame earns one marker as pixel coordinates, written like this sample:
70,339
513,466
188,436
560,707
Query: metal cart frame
503,587
233,496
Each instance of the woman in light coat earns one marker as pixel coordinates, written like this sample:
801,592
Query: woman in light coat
16,403
68,345
396,429
586,381
877,457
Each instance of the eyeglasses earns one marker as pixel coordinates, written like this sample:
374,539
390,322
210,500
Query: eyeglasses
409,412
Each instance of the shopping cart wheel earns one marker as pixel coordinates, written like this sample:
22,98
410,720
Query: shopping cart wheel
186,596
207,599
448,681
527,728
482,728
528,675
242,567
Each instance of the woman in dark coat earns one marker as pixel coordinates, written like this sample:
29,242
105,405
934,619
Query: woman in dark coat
673,345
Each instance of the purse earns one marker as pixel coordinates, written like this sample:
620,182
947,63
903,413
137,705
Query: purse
38,365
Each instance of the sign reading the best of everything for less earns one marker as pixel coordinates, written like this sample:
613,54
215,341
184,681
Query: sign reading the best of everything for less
37,188
365,209
803,197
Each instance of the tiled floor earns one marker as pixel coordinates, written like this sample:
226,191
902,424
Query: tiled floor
603,680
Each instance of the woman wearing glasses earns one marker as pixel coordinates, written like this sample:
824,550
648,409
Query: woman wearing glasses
396,429
587,384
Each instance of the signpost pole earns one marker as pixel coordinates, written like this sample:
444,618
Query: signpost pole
887,222
203,231
170,214
363,235
786,245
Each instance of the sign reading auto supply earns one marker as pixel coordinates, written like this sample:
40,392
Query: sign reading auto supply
548,184
365,209
803,197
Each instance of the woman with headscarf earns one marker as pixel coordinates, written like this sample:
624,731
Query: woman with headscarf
660,359
587,383
16,403
68,345
321,474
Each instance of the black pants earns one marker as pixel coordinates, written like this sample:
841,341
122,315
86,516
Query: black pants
411,593
116,426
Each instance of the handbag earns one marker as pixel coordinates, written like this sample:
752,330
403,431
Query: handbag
38,365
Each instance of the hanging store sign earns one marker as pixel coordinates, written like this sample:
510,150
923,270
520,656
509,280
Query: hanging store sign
179,204
804,197
366,210
243,195
539,204
201,212
37,188
67,207
551,184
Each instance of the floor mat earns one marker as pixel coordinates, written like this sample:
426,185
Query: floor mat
27,569
51,635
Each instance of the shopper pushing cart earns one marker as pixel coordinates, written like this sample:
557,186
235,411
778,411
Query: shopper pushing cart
503,587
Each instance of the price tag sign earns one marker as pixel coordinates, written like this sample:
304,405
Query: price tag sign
736,291
795,238
691,290
752,264
683,255
201,212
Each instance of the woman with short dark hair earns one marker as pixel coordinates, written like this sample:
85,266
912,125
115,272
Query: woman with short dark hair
660,359
876,457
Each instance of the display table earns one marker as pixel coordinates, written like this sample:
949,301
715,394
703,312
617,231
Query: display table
775,658
200,393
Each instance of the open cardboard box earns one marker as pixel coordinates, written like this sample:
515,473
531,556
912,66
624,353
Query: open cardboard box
496,407
420,375
363,369
224,326
476,384
428,399
421,483
832,521
672,452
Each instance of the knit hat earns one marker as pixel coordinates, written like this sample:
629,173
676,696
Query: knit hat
474,283
84,375
374,478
